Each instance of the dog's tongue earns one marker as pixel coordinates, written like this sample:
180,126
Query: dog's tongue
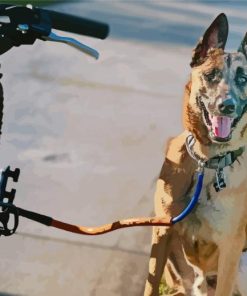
221,126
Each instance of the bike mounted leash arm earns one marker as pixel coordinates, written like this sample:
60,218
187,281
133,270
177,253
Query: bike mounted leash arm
8,208
25,25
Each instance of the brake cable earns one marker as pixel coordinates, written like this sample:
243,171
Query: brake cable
26,25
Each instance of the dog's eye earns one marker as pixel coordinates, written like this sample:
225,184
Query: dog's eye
214,76
210,76
241,80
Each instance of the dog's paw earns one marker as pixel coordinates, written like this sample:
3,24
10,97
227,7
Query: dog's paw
242,275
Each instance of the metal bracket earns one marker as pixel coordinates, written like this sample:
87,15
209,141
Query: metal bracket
6,201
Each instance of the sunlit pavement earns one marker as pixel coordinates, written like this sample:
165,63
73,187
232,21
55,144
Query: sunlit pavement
89,138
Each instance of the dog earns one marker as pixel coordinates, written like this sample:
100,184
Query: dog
207,248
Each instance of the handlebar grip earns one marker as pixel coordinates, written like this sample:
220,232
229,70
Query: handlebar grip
78,25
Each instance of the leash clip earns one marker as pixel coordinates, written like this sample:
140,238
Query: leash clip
201,165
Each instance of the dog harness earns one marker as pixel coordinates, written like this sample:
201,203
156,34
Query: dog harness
218,162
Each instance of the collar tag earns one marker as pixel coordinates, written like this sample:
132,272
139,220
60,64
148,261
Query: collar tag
219,183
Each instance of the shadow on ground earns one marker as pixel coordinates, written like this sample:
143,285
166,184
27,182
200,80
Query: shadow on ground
8,294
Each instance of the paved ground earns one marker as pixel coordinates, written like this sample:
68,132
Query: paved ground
89,137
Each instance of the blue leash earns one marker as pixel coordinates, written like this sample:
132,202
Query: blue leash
194,199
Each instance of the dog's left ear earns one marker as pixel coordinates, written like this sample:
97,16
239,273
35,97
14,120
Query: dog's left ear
243,46
214,37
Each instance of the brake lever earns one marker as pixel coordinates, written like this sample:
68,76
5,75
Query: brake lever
24,28
72,42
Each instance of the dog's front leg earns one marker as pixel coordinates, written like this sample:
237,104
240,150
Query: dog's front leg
160,250
229,256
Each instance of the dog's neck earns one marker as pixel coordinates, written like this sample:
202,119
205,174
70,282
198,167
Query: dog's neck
213,150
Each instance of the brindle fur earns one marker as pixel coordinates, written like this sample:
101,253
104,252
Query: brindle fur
211,239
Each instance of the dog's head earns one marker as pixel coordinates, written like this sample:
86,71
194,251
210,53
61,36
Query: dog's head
216,101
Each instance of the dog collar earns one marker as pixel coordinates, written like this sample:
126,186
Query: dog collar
218,162
221,161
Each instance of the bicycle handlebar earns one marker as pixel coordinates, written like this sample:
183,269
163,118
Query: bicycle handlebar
78,25
27,23
66,22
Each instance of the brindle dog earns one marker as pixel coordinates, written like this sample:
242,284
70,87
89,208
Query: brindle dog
212,238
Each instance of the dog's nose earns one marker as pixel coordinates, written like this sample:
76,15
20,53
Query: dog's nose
227,107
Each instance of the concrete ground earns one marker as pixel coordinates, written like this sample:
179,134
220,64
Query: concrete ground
89,138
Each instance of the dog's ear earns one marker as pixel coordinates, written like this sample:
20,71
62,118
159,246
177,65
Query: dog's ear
214,37
243,46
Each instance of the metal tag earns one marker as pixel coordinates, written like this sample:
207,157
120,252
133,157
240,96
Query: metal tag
219,184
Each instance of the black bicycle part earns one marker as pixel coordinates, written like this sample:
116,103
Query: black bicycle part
11,33
28,24
7,210
78,25
6,202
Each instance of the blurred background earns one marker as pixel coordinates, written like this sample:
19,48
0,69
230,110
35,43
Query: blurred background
89,137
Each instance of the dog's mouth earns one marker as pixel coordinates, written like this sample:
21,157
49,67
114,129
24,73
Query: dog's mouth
220,127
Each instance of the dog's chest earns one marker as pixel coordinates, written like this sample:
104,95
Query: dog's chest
219,213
